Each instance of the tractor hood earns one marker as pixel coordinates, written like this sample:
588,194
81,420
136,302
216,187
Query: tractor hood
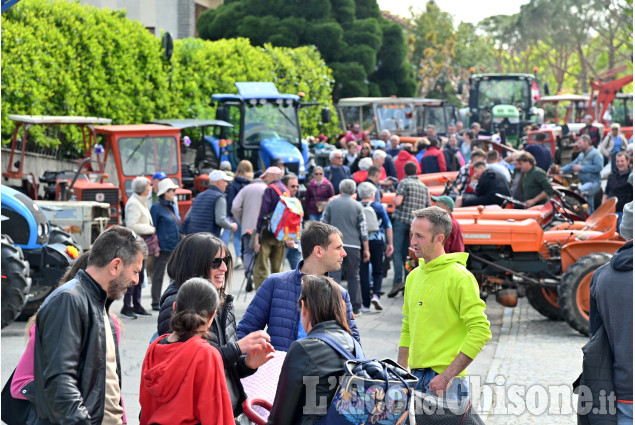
280,148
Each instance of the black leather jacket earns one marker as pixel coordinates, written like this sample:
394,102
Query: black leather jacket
70,353
222,336
309,357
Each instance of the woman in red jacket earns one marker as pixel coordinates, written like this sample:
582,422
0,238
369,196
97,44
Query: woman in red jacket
182,380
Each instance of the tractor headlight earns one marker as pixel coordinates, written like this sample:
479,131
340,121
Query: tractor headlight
40,230
302,171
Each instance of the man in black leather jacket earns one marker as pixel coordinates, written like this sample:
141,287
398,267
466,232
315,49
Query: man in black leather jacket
77,369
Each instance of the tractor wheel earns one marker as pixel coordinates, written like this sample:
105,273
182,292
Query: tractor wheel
574,292
59,235
38,295
15,280
545,301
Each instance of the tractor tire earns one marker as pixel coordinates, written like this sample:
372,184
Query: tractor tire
574,291
15,281
59,235
35,301
544,301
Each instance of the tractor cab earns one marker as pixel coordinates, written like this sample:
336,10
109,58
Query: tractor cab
264,126
403,116
493,97
142,150
195,168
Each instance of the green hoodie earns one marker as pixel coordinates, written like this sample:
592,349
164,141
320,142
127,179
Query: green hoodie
443,314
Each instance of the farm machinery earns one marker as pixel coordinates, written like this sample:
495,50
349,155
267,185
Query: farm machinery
551,268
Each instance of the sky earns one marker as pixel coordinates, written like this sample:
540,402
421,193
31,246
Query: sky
461,10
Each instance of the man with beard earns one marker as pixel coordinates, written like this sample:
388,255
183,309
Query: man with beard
275,306
77,370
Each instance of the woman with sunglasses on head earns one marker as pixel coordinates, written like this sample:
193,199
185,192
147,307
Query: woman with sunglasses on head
365,152
204,255
320,190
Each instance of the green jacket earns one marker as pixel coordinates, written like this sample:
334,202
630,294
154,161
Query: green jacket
443,314
536,181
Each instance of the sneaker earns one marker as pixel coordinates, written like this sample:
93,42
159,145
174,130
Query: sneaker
156,307
364,309
239,263
357,313
128,312
375,301
396,289
141,312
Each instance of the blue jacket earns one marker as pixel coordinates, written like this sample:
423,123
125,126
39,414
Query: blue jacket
201,215
167,227
592,163
275,306
336,174
233,189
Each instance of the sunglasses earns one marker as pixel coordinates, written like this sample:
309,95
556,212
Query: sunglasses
318,174
293,187
218,261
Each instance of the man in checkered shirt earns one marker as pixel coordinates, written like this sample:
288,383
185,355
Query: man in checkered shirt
462,183
411,195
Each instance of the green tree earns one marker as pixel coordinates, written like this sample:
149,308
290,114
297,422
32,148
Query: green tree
350,34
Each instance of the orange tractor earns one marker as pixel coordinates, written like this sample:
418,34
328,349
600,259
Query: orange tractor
551,268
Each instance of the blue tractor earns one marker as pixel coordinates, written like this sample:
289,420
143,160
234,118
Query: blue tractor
265,126
34,257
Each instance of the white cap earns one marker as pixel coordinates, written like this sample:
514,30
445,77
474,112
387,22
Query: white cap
217,175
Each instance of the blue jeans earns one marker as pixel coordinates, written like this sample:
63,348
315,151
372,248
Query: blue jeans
401,242
624,413
377,248
225,237
294,257
591,188
458,391
315,217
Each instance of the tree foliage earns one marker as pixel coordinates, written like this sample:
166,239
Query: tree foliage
568,41
63,58
361,47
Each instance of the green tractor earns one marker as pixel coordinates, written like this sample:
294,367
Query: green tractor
503,104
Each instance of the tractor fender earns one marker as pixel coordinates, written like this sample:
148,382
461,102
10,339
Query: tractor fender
571,252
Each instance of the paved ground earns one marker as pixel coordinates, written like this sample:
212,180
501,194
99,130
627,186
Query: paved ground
525,349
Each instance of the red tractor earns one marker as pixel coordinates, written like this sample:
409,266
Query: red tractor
142,150
84,184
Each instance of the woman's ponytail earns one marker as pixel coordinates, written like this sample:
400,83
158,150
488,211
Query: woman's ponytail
196,301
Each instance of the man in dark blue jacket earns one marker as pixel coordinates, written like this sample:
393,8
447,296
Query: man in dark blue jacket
209,209
611,306
275,305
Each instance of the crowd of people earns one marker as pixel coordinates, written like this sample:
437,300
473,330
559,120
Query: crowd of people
200,352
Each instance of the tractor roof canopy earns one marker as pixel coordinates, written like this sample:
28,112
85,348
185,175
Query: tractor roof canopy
191,123
49,119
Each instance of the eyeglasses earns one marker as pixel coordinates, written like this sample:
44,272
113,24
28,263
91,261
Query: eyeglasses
318,174
218,261
293,187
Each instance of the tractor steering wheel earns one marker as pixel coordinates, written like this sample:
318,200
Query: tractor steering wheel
509,200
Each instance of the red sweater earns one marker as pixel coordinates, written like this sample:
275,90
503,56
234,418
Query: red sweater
454,243
184,383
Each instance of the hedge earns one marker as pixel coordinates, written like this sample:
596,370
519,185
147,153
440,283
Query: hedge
62,58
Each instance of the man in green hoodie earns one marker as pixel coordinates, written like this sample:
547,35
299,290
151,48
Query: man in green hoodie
444,326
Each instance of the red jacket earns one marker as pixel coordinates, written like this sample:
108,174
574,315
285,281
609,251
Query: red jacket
184,383
454,243
434,151
400,162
